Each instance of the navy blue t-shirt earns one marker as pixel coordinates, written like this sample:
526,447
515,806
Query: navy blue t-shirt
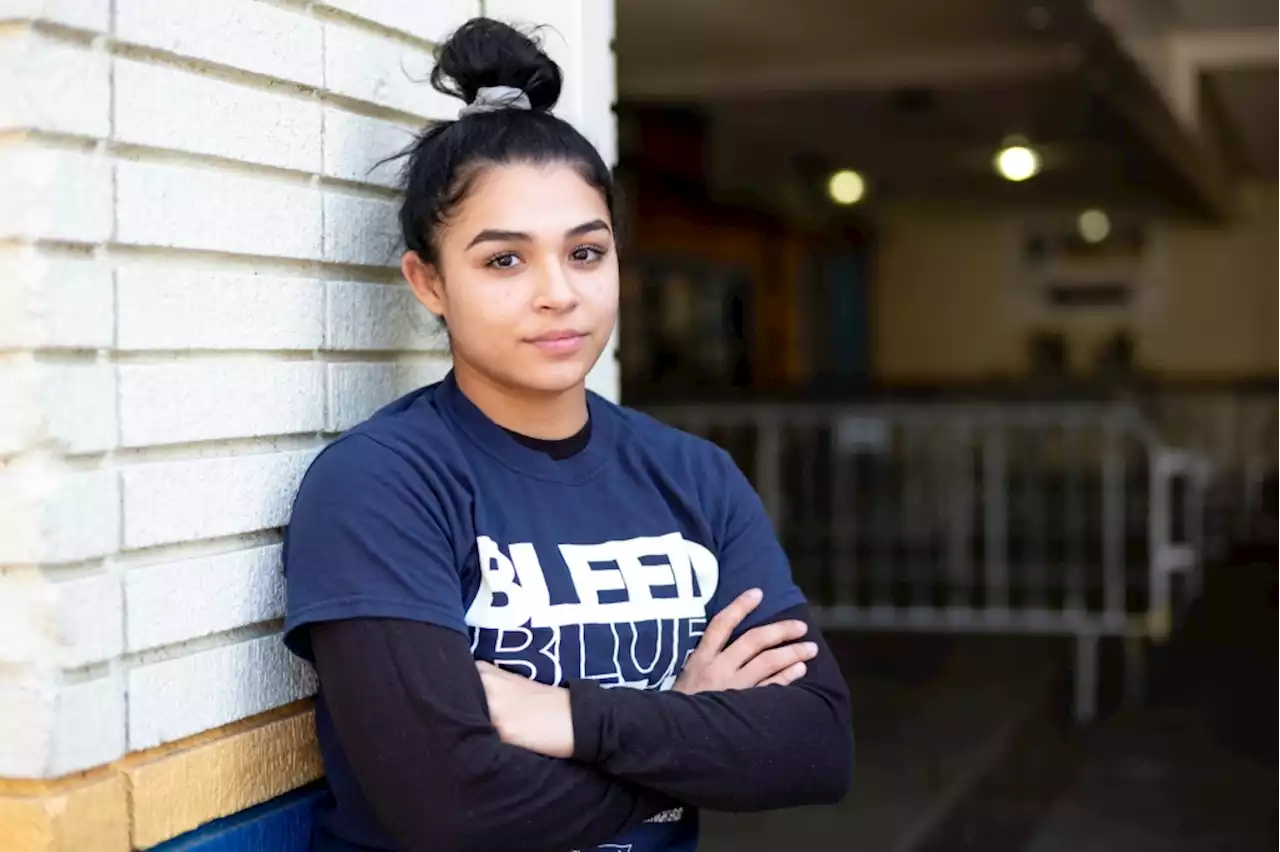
604,565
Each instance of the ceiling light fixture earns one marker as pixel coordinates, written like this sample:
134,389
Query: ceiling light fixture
846,187
1094,226
1017,162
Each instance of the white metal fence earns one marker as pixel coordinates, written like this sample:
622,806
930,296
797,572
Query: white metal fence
1235,429
1040,519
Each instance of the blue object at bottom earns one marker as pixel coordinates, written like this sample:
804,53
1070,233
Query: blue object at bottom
280,825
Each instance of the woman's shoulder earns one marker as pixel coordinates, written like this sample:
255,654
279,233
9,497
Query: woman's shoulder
676,448
406,439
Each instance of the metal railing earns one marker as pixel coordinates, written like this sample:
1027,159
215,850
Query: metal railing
1037,519
1235,430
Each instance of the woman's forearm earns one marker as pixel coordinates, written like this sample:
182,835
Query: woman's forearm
739,750
410,715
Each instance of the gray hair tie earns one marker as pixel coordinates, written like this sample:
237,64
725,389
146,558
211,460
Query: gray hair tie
493,98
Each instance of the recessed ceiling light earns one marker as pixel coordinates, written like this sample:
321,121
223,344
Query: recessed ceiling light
1017,162
1093,225
846,187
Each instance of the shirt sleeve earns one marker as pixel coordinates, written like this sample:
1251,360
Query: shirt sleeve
748,550
736,750
368,538
410,713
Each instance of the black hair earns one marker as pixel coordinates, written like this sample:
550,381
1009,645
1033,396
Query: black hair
445,160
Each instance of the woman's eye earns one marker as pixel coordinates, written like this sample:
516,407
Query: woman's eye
587,254
506,260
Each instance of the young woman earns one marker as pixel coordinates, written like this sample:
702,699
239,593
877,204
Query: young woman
472,567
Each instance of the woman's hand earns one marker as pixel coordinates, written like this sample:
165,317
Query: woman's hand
538,717
528,714
754,659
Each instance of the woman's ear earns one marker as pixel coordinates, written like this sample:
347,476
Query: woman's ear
425,281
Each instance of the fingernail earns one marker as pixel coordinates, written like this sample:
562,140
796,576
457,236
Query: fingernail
755,594
800,626
811,648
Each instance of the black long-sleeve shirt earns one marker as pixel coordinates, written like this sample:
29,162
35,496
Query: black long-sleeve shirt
409,710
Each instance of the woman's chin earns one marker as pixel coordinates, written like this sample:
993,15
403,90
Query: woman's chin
553,379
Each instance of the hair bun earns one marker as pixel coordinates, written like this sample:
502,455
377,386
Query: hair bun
483,53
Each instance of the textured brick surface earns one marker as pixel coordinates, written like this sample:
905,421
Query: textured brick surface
382,72
237,771
53,86
378,317
162,404
361,230
356,146
204,208
54,303
171,108
430,21
165,308
177,601
242,34
357,390
91,15
88,619
55,195
67,727
206,498
91,816
51,514
69,407
183,696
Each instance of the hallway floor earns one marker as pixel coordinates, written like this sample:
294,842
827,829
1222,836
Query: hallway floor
931,715
962,746
1195,769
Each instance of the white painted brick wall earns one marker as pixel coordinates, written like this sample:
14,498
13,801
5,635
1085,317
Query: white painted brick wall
206,208
180,110
54,86
175,501
365,67
198,289
70,407
378,317
53,303
235,589
207,400
361,230
93,16
63,727
195,692
54,195
239,34
160,307
357,147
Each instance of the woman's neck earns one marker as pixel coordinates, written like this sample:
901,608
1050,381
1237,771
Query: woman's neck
548,416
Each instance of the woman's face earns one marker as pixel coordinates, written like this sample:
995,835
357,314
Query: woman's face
527,280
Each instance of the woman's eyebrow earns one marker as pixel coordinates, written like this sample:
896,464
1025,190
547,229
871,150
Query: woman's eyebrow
588,227
489,235
492,235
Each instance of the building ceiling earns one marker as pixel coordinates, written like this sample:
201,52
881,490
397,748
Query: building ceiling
918,95
1223,14
1233,44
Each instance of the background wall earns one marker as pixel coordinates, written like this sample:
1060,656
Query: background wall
947,305
198,289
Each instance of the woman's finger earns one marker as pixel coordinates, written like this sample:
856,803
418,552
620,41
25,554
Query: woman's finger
777,660
721,627
787,676
758,639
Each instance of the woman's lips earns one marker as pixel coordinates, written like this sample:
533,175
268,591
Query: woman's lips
559,342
